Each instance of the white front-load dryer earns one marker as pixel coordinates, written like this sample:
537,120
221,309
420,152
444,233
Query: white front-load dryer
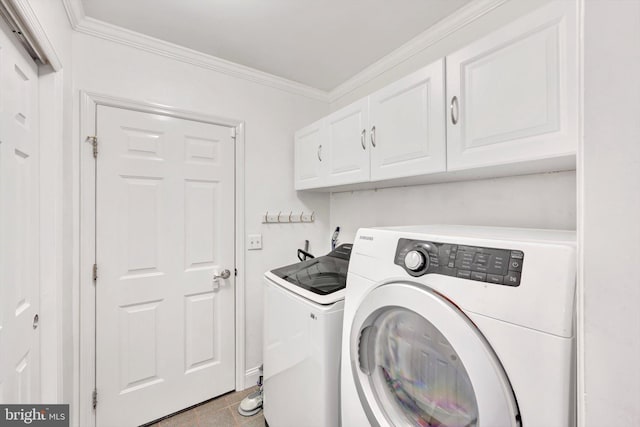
459,326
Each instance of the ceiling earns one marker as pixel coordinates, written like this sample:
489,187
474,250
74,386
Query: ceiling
319,43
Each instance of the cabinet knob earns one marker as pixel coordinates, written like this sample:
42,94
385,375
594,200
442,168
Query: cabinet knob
320,152
454,110
362,137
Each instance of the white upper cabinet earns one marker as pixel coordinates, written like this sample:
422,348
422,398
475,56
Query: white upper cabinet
310,149
348,151
407,126
513,95
506,104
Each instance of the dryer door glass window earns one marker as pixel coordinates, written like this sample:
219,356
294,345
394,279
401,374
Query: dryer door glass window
416,374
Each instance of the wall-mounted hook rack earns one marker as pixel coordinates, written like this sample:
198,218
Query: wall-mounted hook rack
288,218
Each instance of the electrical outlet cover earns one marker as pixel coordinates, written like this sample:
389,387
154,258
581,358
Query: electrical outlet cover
254,242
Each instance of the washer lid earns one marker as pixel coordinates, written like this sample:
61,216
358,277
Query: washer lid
321,276
418,360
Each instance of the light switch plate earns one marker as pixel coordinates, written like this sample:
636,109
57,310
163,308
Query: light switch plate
254,242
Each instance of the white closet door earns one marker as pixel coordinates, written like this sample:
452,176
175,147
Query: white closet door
19,224
514,92
165,227
407,132
348,146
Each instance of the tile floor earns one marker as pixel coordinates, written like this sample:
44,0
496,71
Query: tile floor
219,412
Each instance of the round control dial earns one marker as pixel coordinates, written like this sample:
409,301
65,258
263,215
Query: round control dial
415,260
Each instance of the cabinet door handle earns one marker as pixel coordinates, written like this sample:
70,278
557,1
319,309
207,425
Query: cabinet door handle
362,138
454,110
373,136
320,152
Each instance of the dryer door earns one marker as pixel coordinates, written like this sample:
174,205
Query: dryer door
417,360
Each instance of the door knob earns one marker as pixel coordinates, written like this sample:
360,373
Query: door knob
225,274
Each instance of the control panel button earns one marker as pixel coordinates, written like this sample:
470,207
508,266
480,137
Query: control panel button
463,264
414,260
482,258
479,267
497,269
494,278
515,264
512,279
465,274
517,254
481,277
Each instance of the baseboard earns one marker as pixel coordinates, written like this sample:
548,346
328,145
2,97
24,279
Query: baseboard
251,377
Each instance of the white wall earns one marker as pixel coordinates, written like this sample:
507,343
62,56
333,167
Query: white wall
539,201
610,194
271,117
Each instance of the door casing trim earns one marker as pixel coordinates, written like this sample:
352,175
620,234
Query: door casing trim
84,316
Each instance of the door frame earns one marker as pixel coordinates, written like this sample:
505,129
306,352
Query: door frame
89,102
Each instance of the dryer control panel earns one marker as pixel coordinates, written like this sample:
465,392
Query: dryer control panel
498,266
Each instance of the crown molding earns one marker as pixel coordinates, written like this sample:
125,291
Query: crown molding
75,12
87,25
459,19
435,33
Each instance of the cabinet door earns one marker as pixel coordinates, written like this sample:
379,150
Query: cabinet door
348,148
407,132
310,152
513,95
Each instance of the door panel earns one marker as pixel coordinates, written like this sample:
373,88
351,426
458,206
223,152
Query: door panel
164,229
515,92
348,147
311,156
409,126
19,224
459,380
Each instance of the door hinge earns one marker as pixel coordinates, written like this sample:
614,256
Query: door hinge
94,143
95,272
94,398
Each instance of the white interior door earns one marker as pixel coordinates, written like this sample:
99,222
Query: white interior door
164,229
19,229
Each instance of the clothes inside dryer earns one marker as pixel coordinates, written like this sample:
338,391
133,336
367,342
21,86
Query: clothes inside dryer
417,371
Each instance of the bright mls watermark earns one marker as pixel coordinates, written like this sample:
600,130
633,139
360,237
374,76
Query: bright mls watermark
34,415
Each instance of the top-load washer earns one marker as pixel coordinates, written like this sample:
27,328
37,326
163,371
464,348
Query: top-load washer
459,326
303,308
